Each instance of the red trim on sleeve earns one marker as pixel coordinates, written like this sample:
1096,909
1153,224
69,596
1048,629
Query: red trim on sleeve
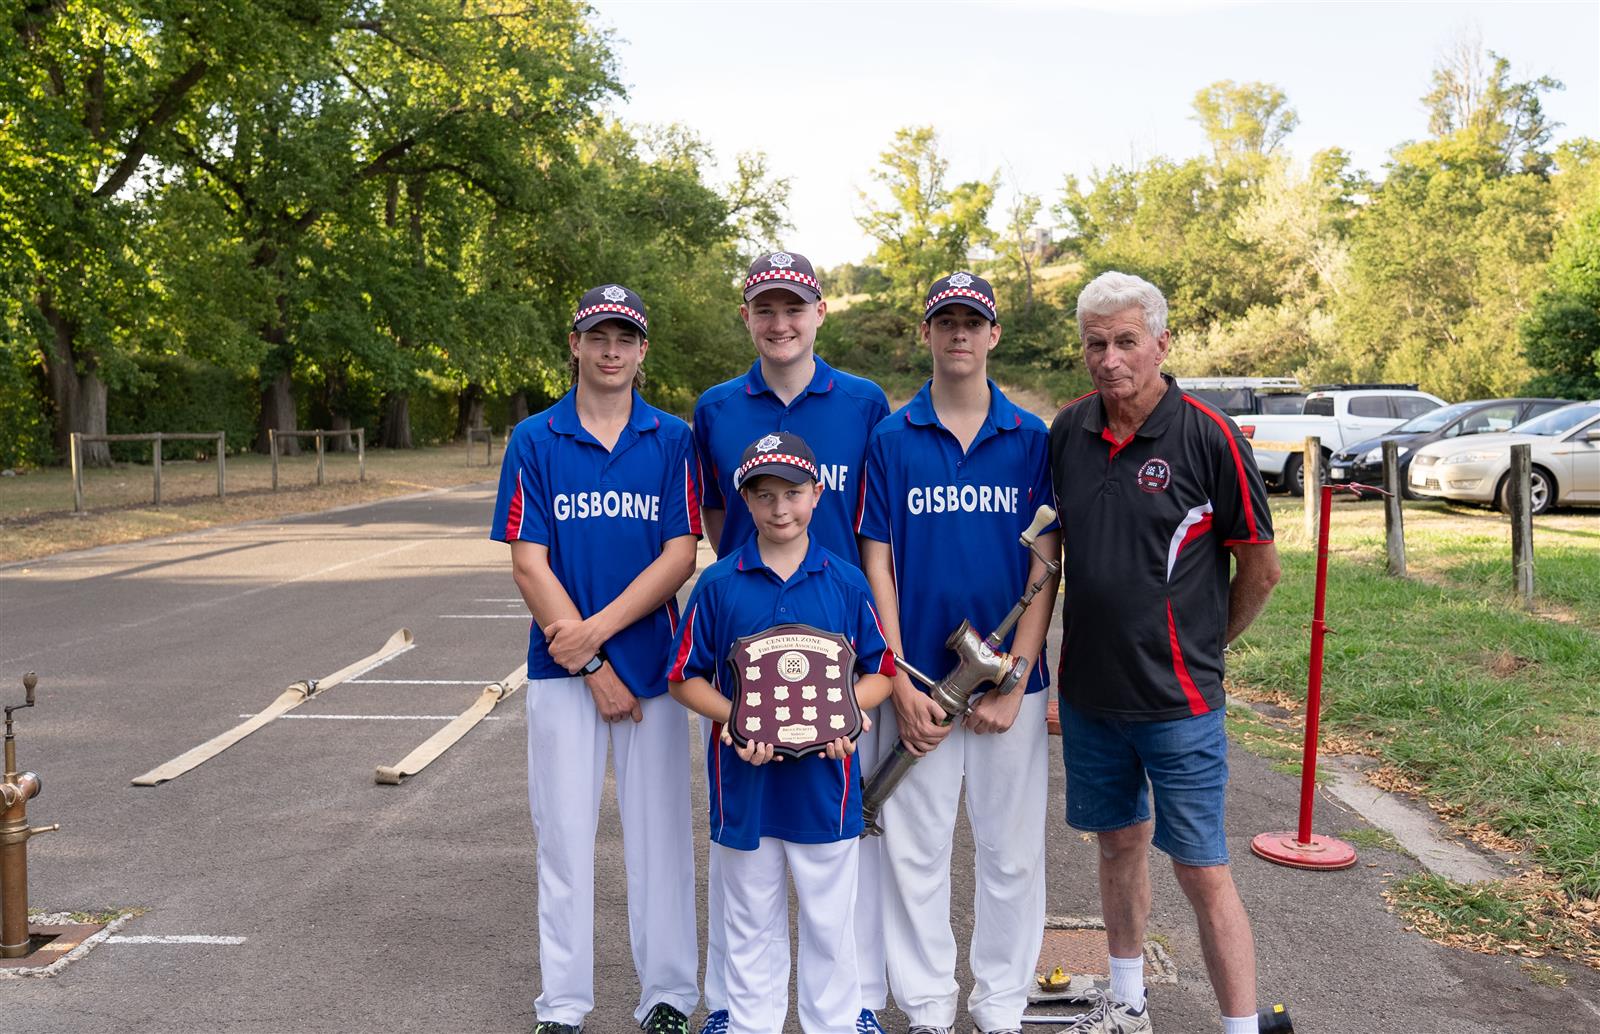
1238,465
685,644
715,746
514,512
886,665
861,503
1197,703
691,499
844,798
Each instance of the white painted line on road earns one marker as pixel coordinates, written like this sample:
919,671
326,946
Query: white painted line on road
179,938
423,682
369,717
498,599
375,665
515,617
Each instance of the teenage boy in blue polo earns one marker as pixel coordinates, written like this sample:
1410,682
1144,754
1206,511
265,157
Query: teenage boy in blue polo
789,388
770,815
953,479
599,502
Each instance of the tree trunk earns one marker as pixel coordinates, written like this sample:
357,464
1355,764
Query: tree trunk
333,399
79,399
518,409
397,421
469,409
277,413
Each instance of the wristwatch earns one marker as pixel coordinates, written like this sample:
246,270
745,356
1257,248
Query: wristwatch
594,663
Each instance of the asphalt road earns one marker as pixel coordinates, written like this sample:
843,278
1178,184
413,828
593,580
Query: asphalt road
411,908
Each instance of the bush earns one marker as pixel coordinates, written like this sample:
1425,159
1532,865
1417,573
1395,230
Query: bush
24,413
178,395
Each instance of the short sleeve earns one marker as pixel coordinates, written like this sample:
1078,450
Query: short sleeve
873,522
1242,514
1041,491
521,512
680,490
711,492
873,656
693,654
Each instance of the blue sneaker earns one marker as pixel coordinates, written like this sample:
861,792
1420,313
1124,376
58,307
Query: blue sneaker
716,1022
867,1023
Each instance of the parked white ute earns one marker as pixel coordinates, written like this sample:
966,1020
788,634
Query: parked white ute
1565,450
1339,416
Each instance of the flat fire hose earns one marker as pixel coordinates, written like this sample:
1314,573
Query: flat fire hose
445,738
287,701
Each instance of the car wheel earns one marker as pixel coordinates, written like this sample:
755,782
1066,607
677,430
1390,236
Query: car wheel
1294,475
1541,491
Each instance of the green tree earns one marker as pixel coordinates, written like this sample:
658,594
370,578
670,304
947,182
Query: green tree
1243,120
1473,94
1561,335
927,227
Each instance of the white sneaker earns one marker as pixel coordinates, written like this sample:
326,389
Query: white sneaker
1109,1017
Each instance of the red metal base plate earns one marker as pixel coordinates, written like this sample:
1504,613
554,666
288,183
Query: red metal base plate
1321,853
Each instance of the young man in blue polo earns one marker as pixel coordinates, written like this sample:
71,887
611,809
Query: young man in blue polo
599,502
790,388
953,479
773,815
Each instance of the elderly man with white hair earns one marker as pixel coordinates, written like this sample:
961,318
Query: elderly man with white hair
1168,556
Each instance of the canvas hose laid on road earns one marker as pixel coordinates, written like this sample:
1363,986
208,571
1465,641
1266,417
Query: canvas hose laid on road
445,738
287,701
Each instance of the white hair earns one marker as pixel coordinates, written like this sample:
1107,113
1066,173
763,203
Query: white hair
1112,292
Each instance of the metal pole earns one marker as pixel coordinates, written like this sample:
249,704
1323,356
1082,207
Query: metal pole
1311,470
272,447
222,464
1393,519
1319,630
76,452
319,456
1522,522
155,453
361,452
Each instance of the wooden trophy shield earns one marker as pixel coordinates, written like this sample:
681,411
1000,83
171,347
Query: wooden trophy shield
794,687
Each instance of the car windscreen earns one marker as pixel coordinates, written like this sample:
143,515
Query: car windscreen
1560,420
1435,418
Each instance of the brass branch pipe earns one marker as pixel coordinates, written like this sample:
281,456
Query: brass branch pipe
15,792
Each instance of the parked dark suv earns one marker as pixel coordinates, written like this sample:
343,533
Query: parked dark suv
1363,461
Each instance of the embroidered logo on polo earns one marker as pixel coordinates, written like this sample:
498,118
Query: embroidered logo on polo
961,280
768,443
781,260
1155,475
614,294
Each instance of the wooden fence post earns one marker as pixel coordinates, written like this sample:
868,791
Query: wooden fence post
361,452
1311,470
1522,522
1393,519
272,447
222,469
319,458
76,452
155,454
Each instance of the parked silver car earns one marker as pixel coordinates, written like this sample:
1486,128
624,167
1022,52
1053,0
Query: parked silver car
1566,462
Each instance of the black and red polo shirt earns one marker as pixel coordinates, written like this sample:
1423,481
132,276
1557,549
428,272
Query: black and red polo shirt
1146,525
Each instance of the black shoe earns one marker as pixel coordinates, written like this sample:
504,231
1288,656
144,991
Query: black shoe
664,1019
552,1027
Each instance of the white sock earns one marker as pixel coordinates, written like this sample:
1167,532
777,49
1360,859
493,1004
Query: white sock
1241,1025
1127,981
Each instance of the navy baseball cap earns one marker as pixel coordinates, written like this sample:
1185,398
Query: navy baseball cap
610,302
788,270
961,289
780,453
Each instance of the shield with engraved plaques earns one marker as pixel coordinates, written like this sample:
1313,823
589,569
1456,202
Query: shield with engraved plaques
794,687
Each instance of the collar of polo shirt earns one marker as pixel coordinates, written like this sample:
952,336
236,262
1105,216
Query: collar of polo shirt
1155,425
750,556
821,379
1003,413
564,415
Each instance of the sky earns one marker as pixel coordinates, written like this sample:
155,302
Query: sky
1037,91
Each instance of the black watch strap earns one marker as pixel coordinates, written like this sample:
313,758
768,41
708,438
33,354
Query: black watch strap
594,663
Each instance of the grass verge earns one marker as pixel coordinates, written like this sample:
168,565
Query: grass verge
1489,713
36,517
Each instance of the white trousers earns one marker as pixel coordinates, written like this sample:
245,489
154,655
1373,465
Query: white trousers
1005,778
870,963
566,772
756,920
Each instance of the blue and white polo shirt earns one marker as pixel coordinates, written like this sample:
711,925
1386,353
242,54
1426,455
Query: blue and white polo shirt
952,520
605,517
834,414
810,800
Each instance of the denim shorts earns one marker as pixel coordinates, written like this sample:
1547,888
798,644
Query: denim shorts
1113,765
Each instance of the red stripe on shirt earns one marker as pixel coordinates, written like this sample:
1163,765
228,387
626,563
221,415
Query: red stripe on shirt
861,503
514,514
1238,464
1116,446
844,798
691,499
685,645
885,666
1197,703
715,747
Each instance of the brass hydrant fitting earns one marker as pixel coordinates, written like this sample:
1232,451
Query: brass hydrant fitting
15,792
